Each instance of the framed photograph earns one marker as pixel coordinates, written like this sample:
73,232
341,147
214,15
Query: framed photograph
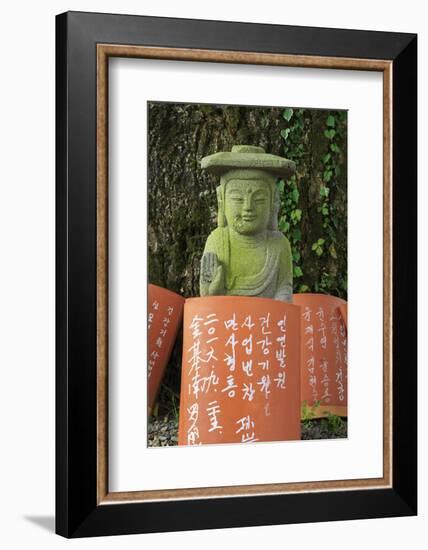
223,191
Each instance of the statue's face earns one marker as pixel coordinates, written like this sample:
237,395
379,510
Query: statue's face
247,205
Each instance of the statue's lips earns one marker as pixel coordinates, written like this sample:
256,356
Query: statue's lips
248,218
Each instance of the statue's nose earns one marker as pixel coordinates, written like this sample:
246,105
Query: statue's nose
247,203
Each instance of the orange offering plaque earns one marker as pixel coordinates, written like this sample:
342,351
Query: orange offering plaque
240,371
324,355
165,311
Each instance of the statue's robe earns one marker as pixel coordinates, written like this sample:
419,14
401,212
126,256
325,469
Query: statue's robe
274,280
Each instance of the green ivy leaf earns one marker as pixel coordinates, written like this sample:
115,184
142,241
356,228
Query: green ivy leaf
304,288
331,121
334,148
295,195
319,251
296,256
285,133
297,271
297,235
281,186
287,114
326,158
284,226
321,241
330,133
332,251
327,175
297,214
324,191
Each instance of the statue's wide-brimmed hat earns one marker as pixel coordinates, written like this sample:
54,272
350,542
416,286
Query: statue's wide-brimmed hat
244,157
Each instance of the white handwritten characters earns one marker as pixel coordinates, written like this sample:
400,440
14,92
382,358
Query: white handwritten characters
310,346
247,367
340,385
325,397
338,359
213,411
280,354
264,364
151,364
265,324
231,323
307,314
195,355
280,380
248,323
150,318
230,386
264,384
199,383
247,343
310,366
265,342
195,326
230,358
211,319
204,383
322,328
166,321
246,429
248,391
192,419
282,324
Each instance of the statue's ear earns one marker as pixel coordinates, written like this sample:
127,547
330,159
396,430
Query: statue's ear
273,222
221,216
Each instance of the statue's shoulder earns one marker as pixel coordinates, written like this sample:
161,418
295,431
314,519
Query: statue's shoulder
280,244
279,239
216,238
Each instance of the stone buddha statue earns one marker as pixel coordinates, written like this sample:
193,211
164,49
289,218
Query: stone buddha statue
246,255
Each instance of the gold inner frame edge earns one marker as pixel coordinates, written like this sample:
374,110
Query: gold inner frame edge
104,52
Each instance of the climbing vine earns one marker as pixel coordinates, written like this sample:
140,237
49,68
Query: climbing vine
290,214
332,161
313,200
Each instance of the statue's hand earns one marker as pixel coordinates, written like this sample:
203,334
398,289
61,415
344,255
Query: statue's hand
212,275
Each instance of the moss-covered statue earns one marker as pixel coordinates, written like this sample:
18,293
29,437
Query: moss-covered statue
246,255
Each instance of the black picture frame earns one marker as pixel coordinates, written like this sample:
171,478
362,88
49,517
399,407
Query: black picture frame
78,511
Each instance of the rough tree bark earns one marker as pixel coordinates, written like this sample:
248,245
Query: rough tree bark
182,198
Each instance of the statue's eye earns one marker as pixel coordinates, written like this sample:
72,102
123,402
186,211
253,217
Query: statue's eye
237,199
